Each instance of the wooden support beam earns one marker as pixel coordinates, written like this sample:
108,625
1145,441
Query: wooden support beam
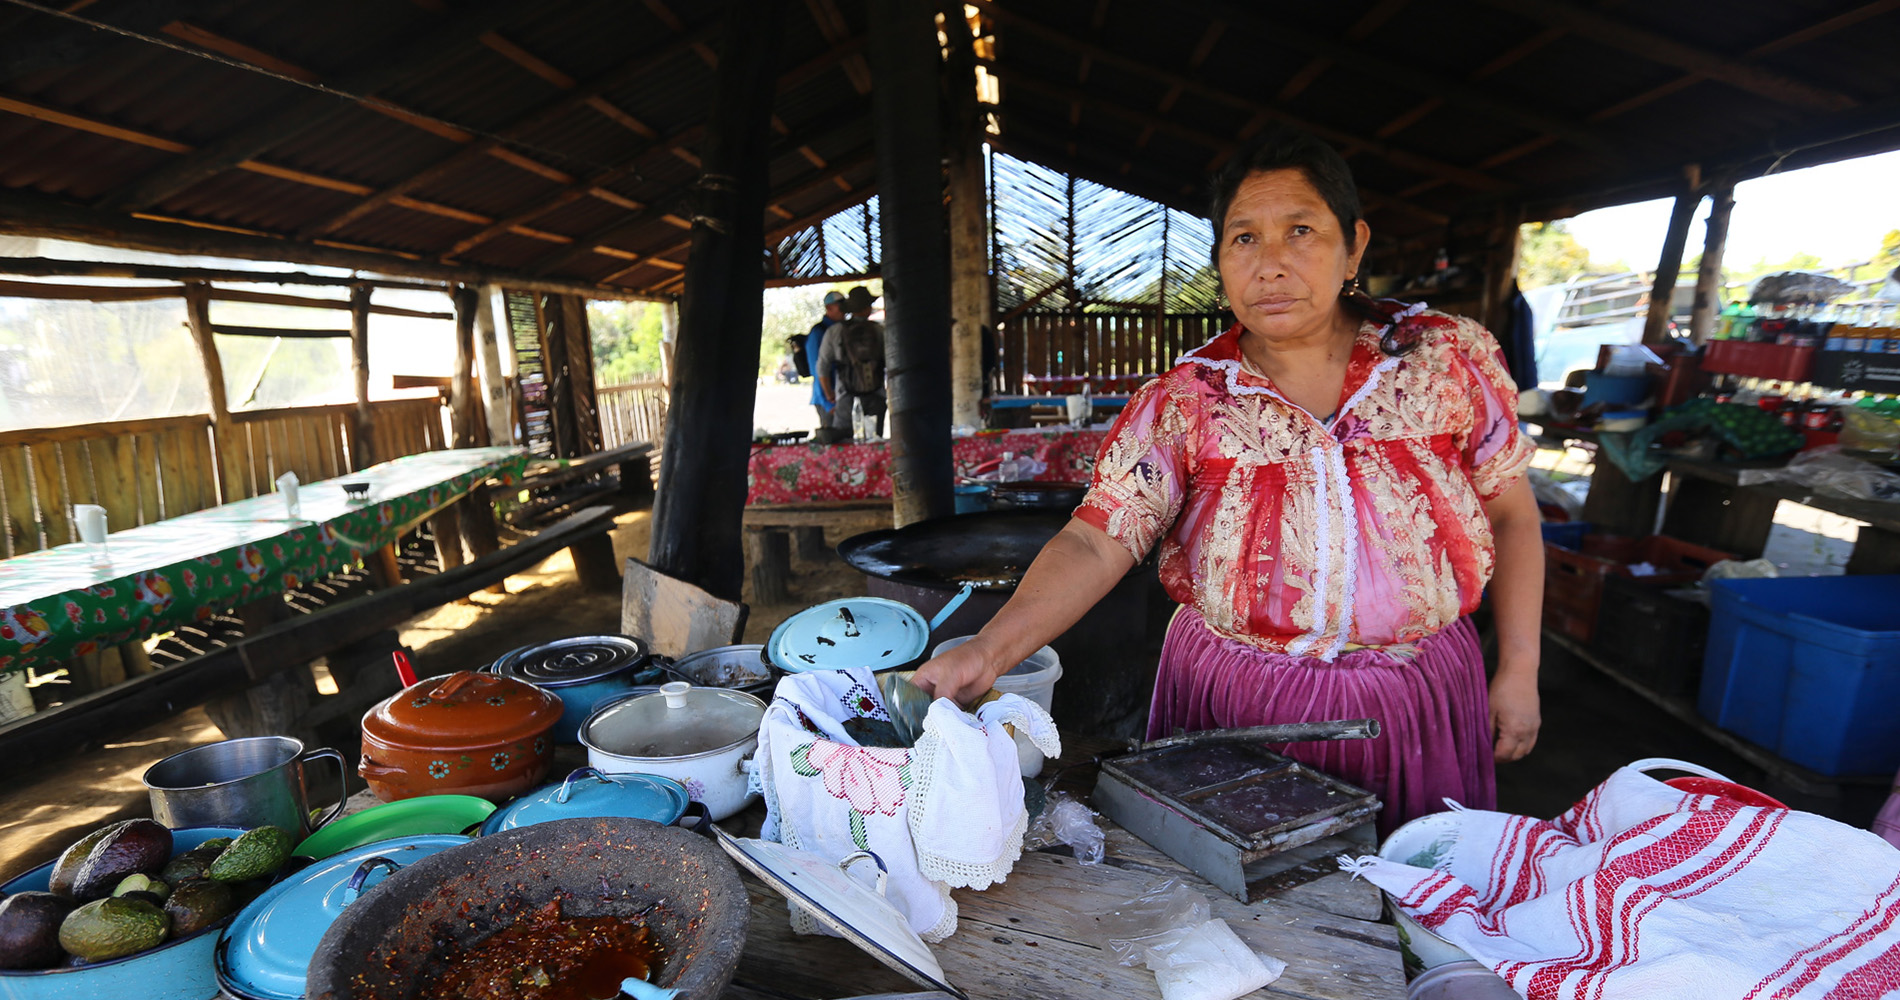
1708,282
462,405
374,70
1759,80
832,25
1369,22
969,223
363,443
904,61
1663,291
697,517
1143,66
198,318
56,267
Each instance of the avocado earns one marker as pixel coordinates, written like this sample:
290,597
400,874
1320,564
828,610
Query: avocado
134,847
199,904
142,883
255,854
142,896
29,929
66,869
113,928
191,864
214,845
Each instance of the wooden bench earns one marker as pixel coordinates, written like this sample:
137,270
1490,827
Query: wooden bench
269,669
771,530
554,487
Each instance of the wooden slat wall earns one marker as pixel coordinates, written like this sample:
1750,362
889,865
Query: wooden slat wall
631,413
1098,344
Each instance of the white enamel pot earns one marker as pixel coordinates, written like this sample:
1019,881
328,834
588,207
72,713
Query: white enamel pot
701,737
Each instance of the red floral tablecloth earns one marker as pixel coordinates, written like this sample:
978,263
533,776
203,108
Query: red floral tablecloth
807,473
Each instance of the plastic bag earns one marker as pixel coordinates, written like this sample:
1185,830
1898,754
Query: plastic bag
1067,821
1826,470
1864,429
1740,569
1194,955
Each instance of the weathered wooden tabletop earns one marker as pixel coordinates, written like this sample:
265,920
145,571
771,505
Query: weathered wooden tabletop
1031,936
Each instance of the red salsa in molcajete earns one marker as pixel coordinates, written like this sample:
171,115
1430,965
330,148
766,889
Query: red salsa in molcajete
545,956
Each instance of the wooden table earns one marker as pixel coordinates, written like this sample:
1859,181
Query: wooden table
1030,936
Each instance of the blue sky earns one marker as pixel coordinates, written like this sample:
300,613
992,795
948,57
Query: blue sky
1837,212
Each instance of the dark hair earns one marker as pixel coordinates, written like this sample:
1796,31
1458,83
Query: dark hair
1283,147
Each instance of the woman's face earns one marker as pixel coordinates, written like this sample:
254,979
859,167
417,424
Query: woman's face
1284,256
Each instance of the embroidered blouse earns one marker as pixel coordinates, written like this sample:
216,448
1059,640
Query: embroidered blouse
1298,535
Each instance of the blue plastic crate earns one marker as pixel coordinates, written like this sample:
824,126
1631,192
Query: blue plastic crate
1808,667
1567,534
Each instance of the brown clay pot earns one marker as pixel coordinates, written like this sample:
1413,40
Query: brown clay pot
468,733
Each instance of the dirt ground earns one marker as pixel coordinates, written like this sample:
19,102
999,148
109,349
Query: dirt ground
41,813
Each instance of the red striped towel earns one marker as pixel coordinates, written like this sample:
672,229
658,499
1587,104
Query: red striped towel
1644,891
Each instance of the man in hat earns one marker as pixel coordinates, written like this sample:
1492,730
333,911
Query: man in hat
814,342
850,367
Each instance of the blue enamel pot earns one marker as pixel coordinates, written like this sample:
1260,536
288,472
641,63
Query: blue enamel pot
582,671
589,793
180,969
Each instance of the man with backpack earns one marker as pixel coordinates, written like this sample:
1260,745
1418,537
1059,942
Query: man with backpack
806,348
850,365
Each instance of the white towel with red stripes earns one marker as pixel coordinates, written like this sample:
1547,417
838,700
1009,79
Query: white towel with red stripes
1644,891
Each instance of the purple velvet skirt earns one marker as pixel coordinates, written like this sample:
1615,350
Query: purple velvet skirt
1436,718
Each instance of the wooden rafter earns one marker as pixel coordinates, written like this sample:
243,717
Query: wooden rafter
375,70
1144,66
831,24
1215,143
1759,80
575,98
1369,22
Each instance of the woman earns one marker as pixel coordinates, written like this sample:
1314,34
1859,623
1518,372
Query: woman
1333,482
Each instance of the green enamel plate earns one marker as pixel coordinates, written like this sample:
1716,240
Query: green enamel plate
401,818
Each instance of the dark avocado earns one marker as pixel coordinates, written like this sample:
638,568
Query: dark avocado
134,847
66,869
29,929
190,864
199,904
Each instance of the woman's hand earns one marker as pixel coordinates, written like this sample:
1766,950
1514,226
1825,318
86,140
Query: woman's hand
961,673
1515,718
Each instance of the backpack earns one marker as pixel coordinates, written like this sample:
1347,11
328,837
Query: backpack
863,351
801,362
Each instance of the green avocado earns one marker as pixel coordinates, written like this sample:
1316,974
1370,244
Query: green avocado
255,854
29,929
199,904
191,864
113,928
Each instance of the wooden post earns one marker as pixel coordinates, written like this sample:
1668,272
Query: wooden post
969,222
497,405
1656,326
698,513
1708,281
902,45
362,445
1500,272
461,386
583,411
224,431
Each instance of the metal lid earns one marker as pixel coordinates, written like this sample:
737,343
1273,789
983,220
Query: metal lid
575,660
462,709
868,632
680,721
587,793
832,897
265,953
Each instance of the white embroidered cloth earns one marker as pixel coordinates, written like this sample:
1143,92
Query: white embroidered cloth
966,815
1642,891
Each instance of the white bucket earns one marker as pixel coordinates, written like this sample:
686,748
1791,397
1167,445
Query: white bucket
1422,843
1035,679
16,699
1466,980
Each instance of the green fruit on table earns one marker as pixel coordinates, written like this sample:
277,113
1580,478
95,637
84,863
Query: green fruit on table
191,864
142,883
198,904
29,929
255,854
134,847
113,928
214,845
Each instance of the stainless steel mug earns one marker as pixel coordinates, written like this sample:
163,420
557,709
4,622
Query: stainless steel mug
244,783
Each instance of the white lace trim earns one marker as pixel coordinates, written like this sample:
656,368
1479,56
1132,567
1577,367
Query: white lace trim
1372,382
1322,556
1232,368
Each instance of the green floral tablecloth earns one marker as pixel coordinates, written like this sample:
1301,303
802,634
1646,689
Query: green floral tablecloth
55,604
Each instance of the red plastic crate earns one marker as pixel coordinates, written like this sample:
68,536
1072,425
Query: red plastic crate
1784,362
1573,578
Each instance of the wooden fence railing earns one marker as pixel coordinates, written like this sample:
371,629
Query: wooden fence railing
142,471
631,413
1099,345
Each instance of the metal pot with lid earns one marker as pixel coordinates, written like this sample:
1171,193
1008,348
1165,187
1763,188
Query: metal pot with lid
697,736
466,732
870,632
581,670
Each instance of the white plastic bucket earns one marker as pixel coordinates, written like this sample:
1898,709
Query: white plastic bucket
1466,980
1035,679
1422,843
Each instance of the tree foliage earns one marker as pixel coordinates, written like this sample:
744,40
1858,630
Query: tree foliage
626,339
1549,255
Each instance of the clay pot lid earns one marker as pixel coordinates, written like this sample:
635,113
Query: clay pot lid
462,709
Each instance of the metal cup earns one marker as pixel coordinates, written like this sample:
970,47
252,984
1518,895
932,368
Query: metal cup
243,783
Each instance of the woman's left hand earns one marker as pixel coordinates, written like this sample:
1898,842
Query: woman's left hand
1515,718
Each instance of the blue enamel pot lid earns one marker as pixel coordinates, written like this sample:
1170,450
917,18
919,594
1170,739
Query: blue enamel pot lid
587,793
265,953
869,632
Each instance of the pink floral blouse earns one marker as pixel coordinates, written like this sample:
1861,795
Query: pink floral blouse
1298,535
